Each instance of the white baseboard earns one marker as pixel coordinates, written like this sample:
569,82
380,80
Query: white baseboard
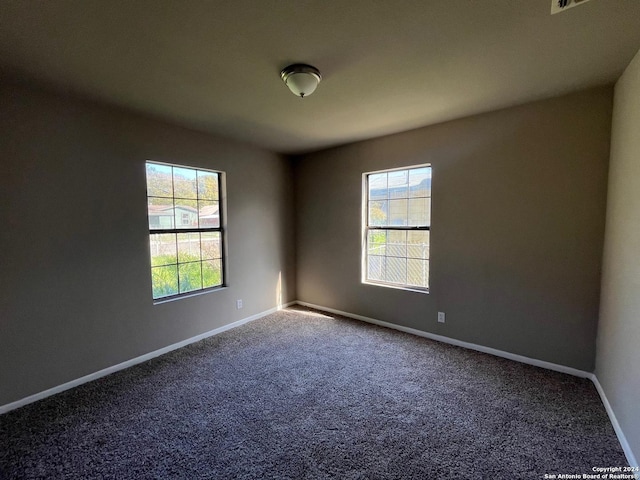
452,341
458,343
616,426
134,361
499,353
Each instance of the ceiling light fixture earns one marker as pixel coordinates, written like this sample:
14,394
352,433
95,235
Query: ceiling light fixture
301,79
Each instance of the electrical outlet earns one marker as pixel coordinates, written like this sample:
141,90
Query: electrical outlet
440,317
239,304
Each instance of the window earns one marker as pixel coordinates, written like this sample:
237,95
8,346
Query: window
185,229
397,221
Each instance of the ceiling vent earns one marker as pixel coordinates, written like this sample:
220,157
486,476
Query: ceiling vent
562,5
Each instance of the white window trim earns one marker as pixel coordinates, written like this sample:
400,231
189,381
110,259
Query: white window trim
364,231
222,198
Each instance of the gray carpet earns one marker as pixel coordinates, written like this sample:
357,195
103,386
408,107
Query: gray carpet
301,395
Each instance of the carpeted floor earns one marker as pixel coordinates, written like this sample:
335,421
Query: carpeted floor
302,395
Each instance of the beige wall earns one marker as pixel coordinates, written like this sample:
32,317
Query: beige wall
75,286
518,221
618,352
517,227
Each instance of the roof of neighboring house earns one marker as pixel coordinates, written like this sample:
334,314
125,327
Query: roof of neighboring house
206,211
209,211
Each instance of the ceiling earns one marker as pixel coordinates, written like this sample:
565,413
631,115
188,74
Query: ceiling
387,65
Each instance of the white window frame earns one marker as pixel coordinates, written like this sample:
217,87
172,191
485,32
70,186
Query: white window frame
366,228
175,229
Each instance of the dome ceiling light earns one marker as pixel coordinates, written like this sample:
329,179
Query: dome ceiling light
301,79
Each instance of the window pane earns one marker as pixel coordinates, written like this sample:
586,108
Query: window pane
210,245
188,247
399,184
396,243
420,182
163,249
164,281
377,242
184,183
190,276
211,273
418,273
396,270
375,267
160,213
186,213
186,204
397,202
208,214
398,212
418,244
159,183
207,185
419,211
378,186
378,213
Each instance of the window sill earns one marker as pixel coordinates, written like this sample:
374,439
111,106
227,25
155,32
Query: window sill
188,295
397,287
